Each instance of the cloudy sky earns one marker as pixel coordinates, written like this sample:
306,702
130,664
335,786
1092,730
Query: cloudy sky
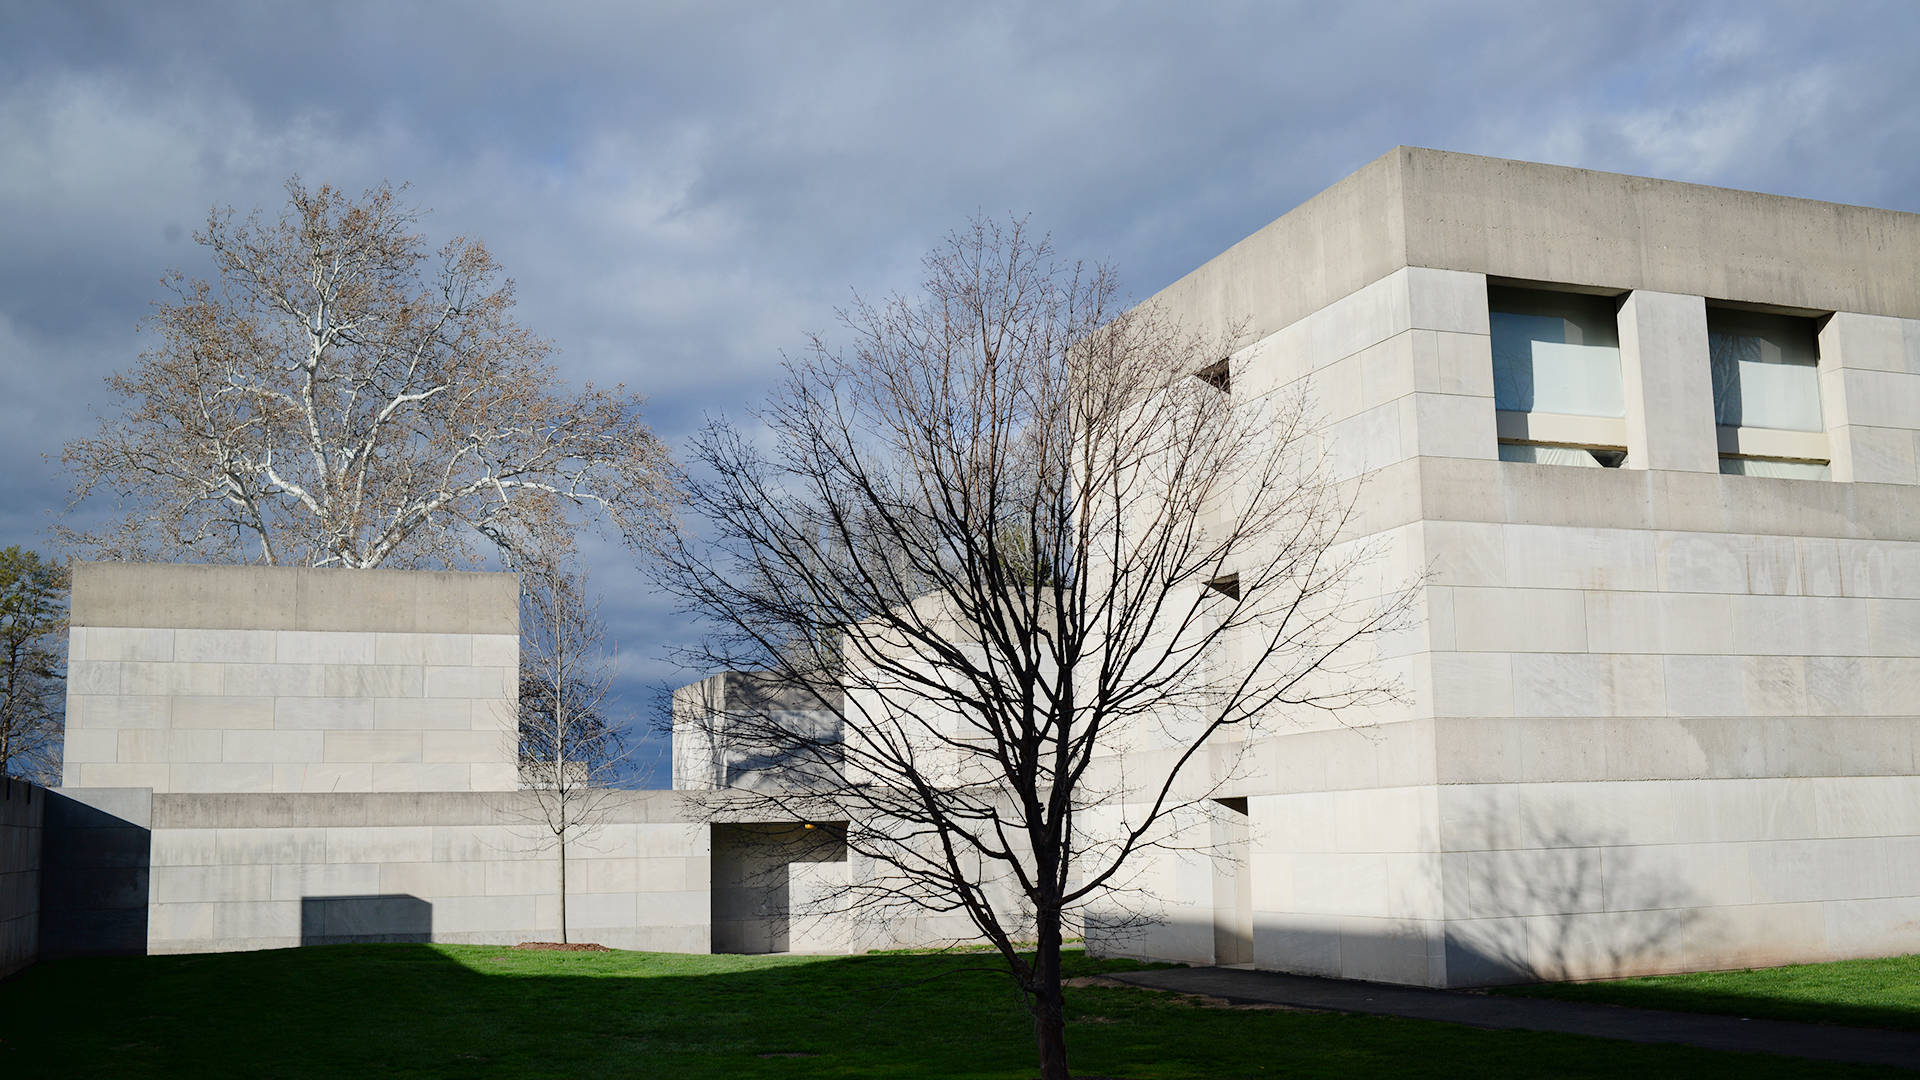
682,191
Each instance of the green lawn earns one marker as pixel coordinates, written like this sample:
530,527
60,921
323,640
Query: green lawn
433,1011
1865,993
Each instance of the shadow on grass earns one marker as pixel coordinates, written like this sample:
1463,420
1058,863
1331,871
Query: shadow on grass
445,1011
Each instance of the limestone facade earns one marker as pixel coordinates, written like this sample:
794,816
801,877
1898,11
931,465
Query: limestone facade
1658,716
275,679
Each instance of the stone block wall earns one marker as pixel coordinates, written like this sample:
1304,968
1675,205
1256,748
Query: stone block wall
1656,718
23,809
217,679
260,871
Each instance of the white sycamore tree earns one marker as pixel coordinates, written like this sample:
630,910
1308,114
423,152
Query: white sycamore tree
342,395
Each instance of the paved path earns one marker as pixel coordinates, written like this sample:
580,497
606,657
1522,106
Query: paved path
1869,1046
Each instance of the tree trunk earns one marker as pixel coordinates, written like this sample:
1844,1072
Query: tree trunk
1049,1002
563,888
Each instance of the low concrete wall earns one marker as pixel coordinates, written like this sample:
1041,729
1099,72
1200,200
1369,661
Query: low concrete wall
23,808
260,871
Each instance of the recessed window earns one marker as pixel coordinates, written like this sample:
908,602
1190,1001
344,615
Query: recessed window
1766,394
1557,392
1219,376
1227,585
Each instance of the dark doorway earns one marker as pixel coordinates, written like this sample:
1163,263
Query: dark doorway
1232,883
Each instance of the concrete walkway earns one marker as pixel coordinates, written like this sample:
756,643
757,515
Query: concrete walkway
1866,1046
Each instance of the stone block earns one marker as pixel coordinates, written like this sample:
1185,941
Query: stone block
125,643
85,677
502,776
488,650
184,847
602,909
1519,620
421,649
224,646
275,921
101,746
1472,684
324,714
1650,622
171,678
1803,625
499,914
323,647
283,747
116,712
273,680
268,846
152,776
414,776
210,884
416,714
1452,363
525,876
325,879
1449,425
224,713
465,747
371,746
380,844
1893,627
1586,685
173,747
433,879
470,682
1882,399
185,922
323,777
220,777
1449,300
369,681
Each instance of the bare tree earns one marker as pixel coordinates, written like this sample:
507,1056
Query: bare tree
570,747
343,396
1040,576
33,603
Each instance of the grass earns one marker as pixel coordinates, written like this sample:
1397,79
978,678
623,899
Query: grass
1864,993
484,1011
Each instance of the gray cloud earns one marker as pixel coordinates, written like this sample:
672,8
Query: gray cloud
681,191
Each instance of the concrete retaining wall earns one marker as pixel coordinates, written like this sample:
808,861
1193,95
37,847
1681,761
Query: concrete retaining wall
254,871
23,808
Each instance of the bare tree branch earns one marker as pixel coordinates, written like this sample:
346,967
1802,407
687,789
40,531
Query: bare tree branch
343,396
1021,578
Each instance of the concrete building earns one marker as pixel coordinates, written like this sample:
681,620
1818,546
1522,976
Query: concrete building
1654,446
1651,451
257,679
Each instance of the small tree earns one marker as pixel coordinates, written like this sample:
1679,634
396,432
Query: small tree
1038,573
570,750
343,396
33,602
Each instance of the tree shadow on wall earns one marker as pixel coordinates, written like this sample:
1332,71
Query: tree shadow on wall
1537,900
